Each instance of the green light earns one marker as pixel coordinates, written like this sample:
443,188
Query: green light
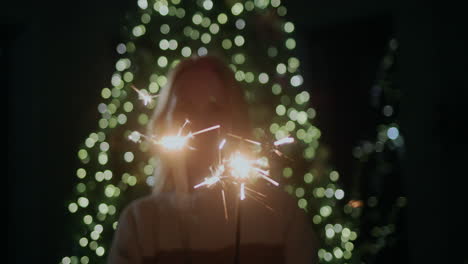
128,76
83,242
145,18
100,251
128,106
163,44
82,154
273,128
272,52
87,219
208,4
106,93
130,47
249,77
206,22
276,89
186,52
214,28
334,176
81,187
162,61
290,126
239,40
325,211
282,11
227,44
317,219
162,80
287,172
263,78
261,3
281,68
73,207
288,27
81,173
237,9
206,38
302,117
180,12
194,34
240,75
197,19
302,203
308,178
309,153
222,18
299,193
165,29
139,30
109,190
143,119
301,134
128,156
280,110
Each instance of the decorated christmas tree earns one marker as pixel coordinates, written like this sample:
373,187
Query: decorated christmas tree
256,40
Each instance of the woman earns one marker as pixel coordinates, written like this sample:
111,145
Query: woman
180,224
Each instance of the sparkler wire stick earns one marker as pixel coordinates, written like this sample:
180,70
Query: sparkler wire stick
238,228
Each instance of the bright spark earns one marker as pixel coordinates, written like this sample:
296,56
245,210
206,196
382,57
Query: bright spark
144,96
285,140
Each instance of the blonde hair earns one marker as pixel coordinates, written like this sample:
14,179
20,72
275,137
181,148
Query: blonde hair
174,178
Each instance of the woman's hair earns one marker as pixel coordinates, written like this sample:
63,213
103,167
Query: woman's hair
234,109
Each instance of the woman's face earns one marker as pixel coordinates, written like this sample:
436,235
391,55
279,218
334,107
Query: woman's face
200,97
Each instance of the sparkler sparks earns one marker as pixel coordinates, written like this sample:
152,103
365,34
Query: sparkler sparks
144,96
171,142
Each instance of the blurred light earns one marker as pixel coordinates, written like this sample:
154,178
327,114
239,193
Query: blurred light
263,78
339,194
300,192
272,52
208,4
197,19
145,18
186,52
81,173
290,43
287,172
302,203
121,48
392,133
308,177
240,23
296,80
288,27
276,89
214,28
280,110
282,11
275,3
165,28
237,9
202,51
222,18
239,40
128,156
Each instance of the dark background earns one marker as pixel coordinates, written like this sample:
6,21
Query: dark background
57,56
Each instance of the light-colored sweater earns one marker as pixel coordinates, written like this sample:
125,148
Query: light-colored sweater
154,230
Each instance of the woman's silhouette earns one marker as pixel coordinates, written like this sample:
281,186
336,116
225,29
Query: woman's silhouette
180,224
